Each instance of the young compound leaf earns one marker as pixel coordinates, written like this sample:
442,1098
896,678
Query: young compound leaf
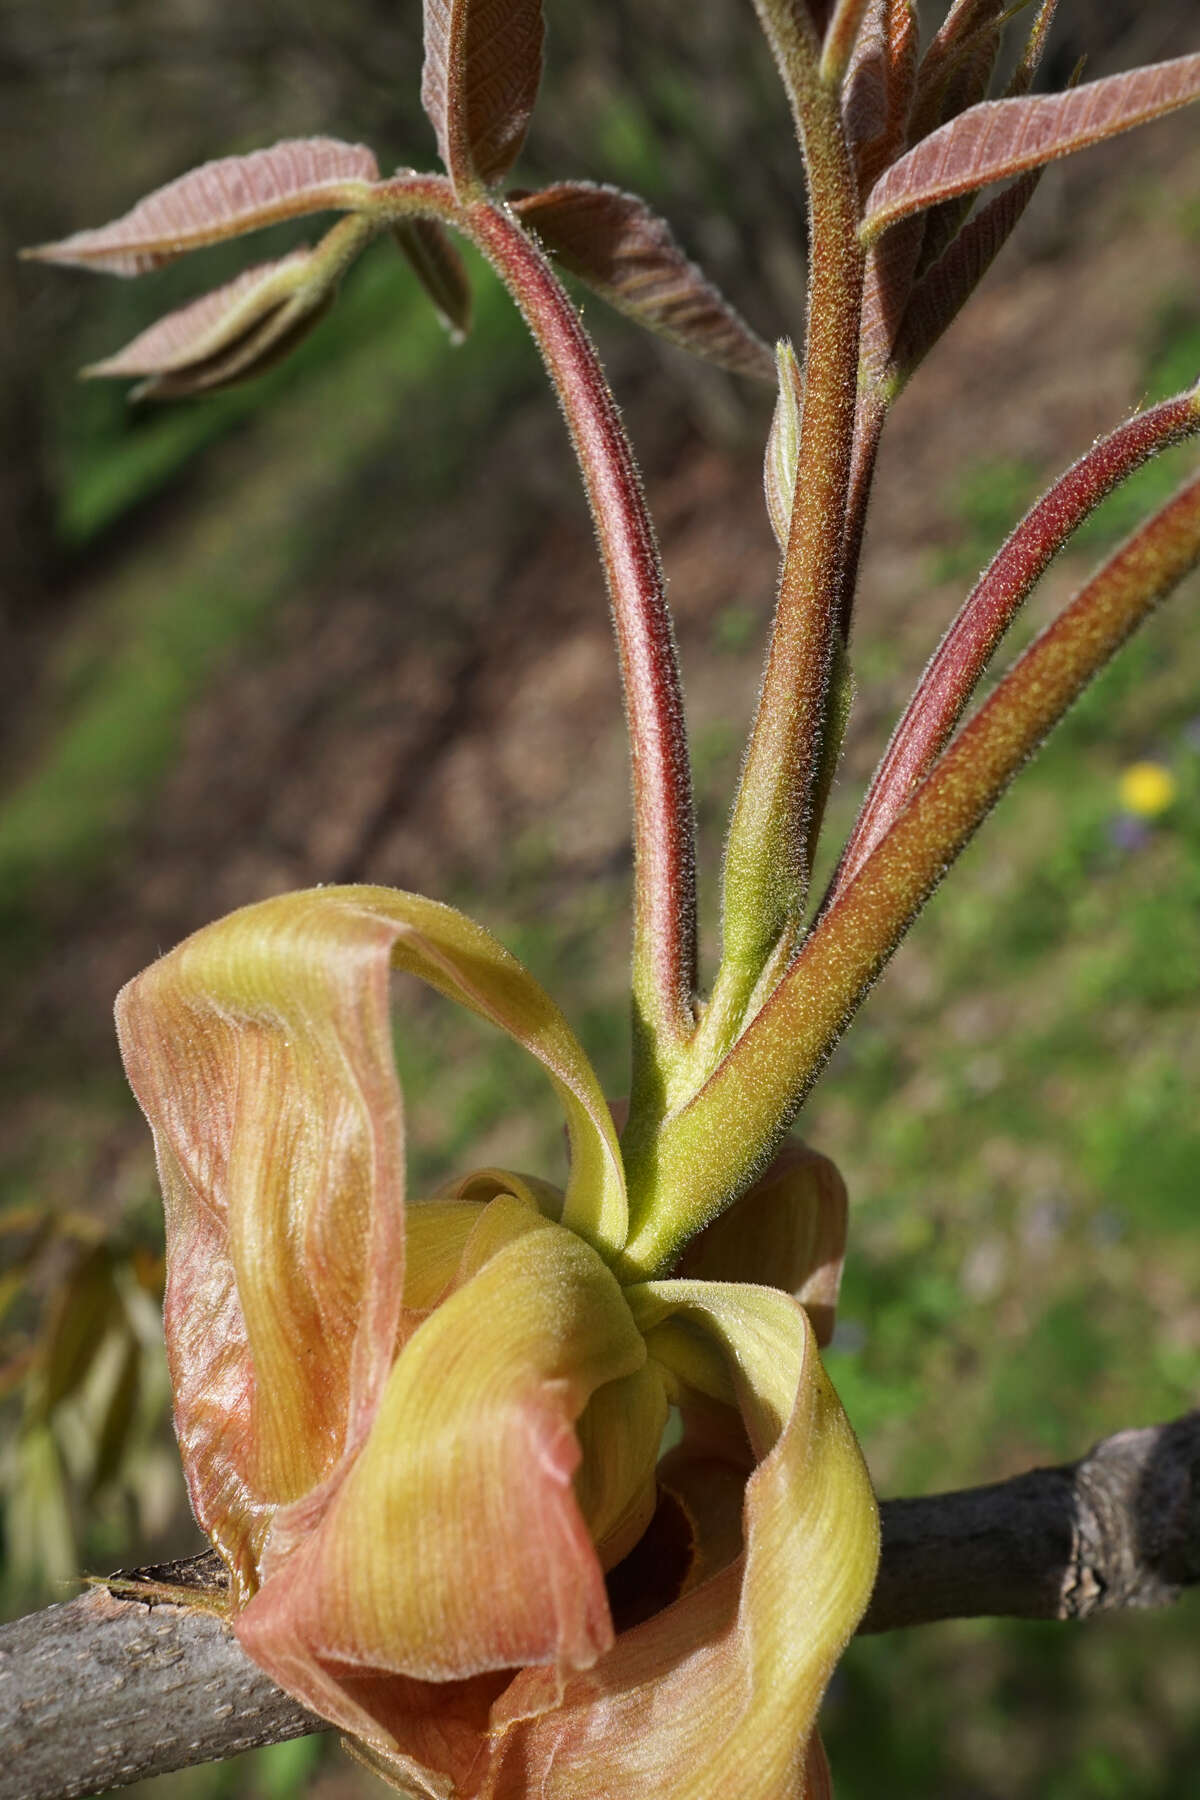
875,107
216,338
483,63
968,82
625,253
242,328
440,269
999,138
790,1038
948,284
954,257
224,199
967,30
788,1231
879,88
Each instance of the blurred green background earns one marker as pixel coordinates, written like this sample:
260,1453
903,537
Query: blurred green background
344,623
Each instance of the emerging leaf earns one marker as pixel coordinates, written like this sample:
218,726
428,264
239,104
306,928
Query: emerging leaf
468,1464
483,63
235,332
999,138
1035,48
782,458
954,257
949,76
440,269
968,79
875,108
788,1231
624,252
242,328
879,88
224,199
201,330
261,1052
891,262
726,1665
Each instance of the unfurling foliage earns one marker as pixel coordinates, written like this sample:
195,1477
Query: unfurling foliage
427,1435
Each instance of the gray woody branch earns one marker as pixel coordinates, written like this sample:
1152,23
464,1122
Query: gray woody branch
105,1689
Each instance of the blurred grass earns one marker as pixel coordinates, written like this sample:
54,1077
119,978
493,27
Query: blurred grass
1016,1118
988,497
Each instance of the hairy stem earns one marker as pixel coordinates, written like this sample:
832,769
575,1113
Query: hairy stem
766,860
840,37
711,1149
664,956
964,652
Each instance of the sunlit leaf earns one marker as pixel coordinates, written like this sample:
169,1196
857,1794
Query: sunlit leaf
788,1231
483,63
224,199
236,331
734,1664
198,332
625,253
469,1466
241,329
1000,138
261,1052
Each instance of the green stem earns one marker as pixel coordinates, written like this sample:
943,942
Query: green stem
766,860
664,953
710,1150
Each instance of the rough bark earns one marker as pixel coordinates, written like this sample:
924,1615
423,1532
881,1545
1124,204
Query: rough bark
1121,1528
108,1688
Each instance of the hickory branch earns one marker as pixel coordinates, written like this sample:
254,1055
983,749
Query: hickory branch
105,1689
